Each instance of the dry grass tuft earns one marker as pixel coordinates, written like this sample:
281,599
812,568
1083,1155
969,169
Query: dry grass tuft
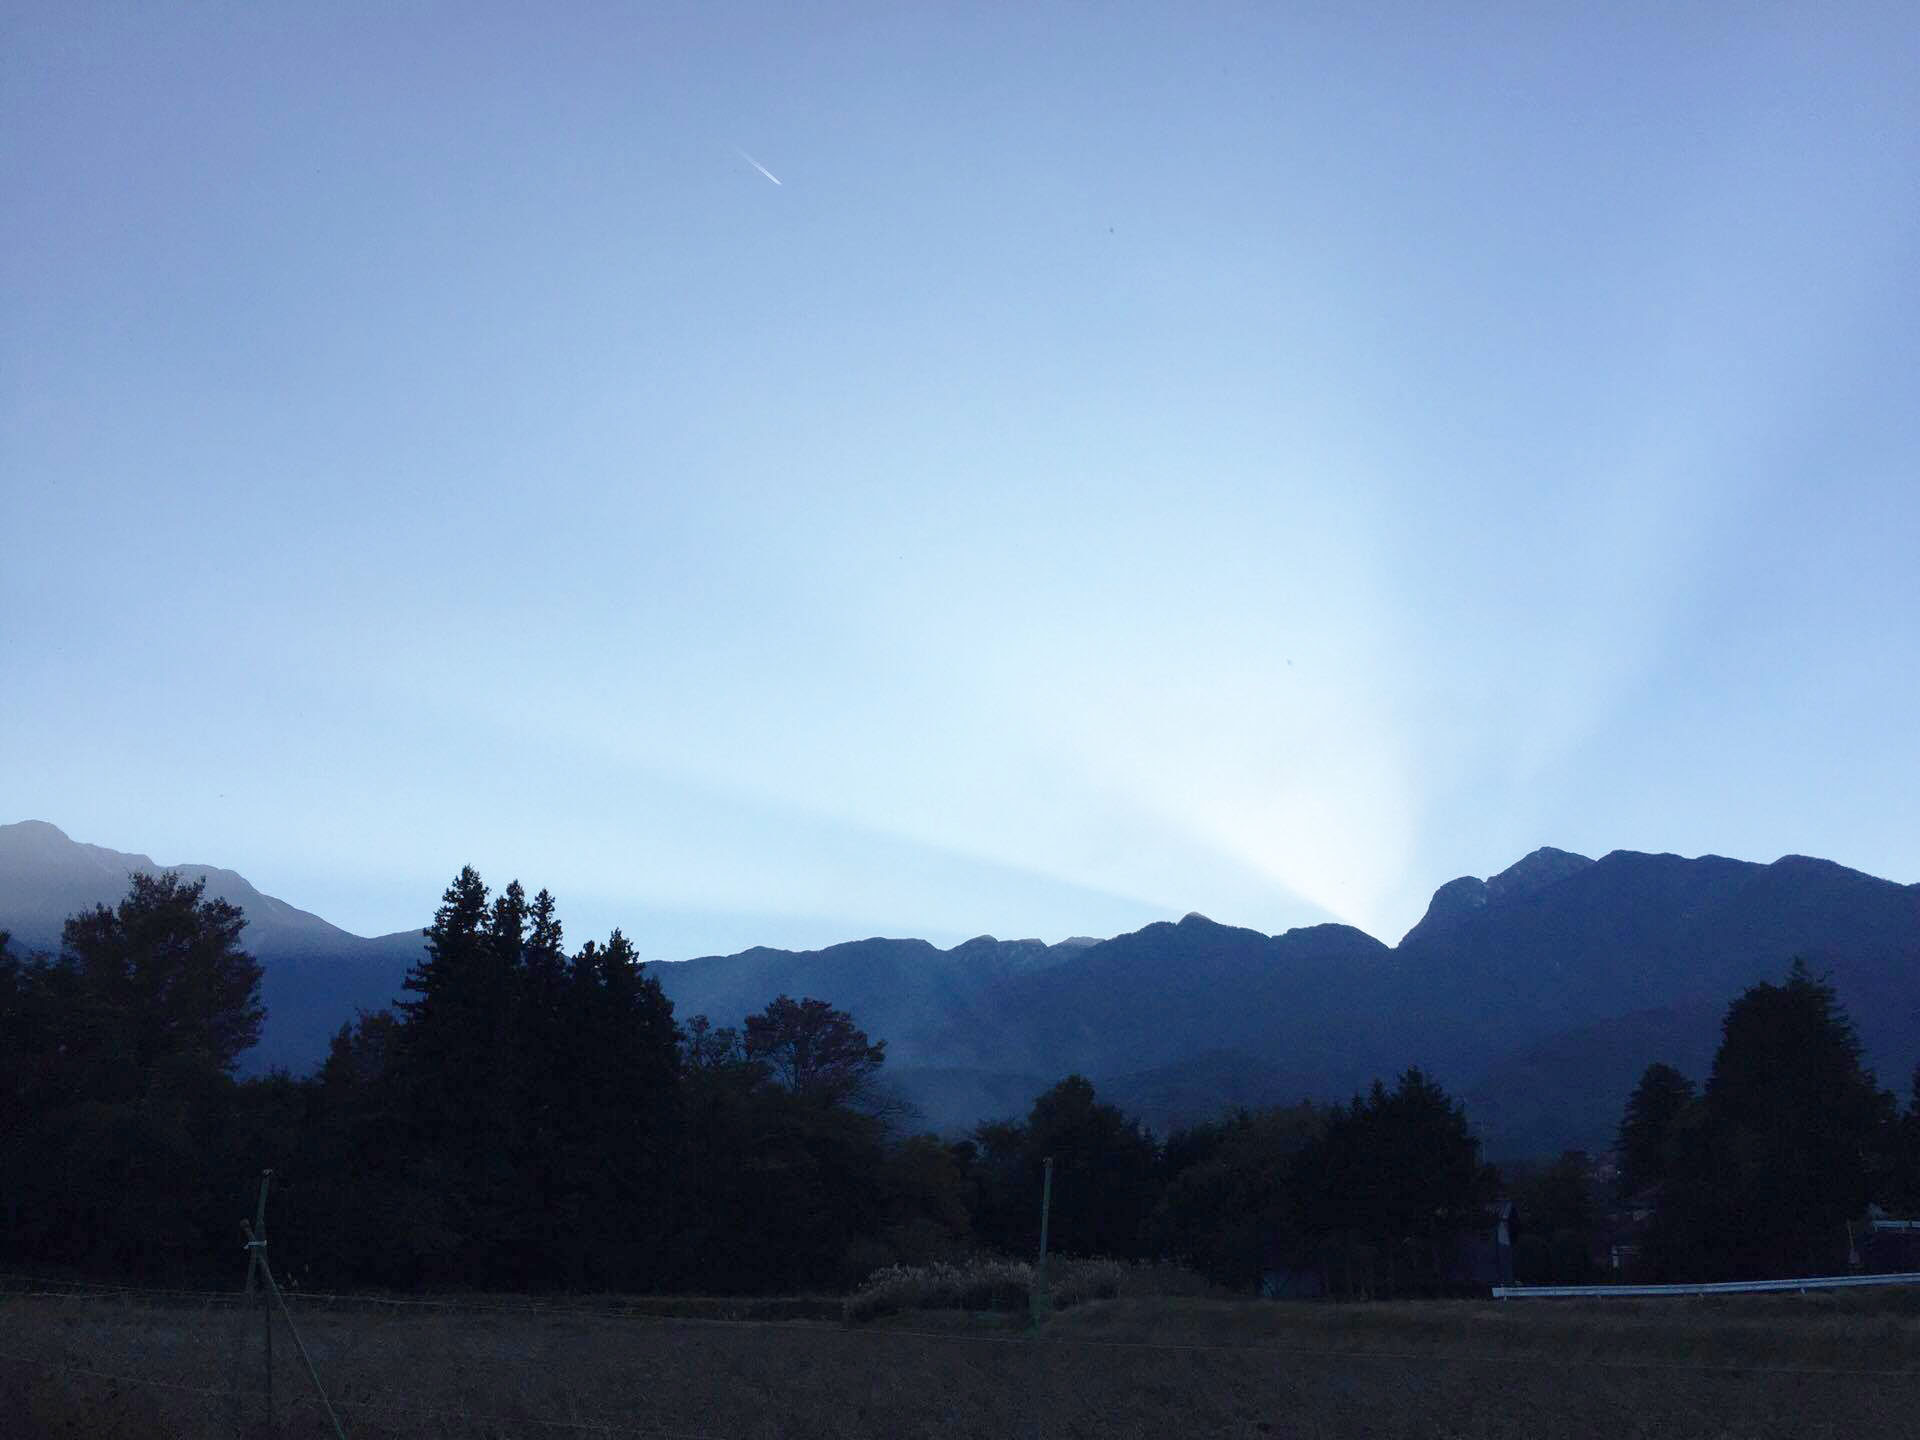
981,1283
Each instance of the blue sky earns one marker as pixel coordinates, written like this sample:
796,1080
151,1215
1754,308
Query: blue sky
1265,459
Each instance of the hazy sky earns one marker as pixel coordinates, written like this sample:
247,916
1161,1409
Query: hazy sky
1260,459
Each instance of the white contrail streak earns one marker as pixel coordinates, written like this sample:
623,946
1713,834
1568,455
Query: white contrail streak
756,165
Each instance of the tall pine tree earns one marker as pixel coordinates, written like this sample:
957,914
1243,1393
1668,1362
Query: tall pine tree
1794,1138
1644,1144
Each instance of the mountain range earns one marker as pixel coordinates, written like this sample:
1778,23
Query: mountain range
1538,994
316,975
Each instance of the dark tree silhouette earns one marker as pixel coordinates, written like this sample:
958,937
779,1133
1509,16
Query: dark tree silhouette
610,1089
1555,1220
1792,1139
705,1046
1645,1138
1105,1176
1903,1188
539,1099
163,976
447,1029
117,1082
814,1050
1396,1177
1230,1205
780,1171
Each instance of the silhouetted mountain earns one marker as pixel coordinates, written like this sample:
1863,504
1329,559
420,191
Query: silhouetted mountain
45,877
1539,993
1166,993
1634,933
316,976
1468,895
1542,992
923,1001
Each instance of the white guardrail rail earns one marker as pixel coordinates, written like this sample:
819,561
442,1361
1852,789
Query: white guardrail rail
1727,1287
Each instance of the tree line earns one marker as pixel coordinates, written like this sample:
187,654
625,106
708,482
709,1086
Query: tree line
533,1117
1768,1170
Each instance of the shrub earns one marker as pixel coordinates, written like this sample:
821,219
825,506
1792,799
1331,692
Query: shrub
1074,1281
1169,1277
981,1283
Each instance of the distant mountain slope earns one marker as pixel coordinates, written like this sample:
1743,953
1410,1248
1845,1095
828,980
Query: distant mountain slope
918,998
1307,1001
316,976
1469,895
45,877
1634,932
1539,993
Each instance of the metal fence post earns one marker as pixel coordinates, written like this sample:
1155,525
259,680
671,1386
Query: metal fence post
256,1233
1039,1300
257,1258
300,1347
270,1296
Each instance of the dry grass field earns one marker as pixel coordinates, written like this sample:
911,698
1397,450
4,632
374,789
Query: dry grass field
1735,1368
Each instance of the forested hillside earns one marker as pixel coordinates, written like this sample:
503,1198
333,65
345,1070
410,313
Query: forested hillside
1540,992
536,1115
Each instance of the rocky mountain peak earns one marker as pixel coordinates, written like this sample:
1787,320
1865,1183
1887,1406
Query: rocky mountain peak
1457,899
1545,866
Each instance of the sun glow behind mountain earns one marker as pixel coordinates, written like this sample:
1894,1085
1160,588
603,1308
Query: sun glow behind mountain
1361,455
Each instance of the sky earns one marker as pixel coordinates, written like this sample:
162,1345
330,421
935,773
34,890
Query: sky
780,474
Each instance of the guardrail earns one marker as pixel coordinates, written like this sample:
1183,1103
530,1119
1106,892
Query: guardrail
1724,1287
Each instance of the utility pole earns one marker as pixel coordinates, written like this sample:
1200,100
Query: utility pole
1046,1208
1041,1300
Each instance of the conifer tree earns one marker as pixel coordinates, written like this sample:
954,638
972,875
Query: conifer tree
1398,1173
620,1061
1794,1138
446,1031
546,952
1645,1139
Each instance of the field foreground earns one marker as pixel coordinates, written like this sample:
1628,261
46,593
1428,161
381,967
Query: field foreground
1745,1367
